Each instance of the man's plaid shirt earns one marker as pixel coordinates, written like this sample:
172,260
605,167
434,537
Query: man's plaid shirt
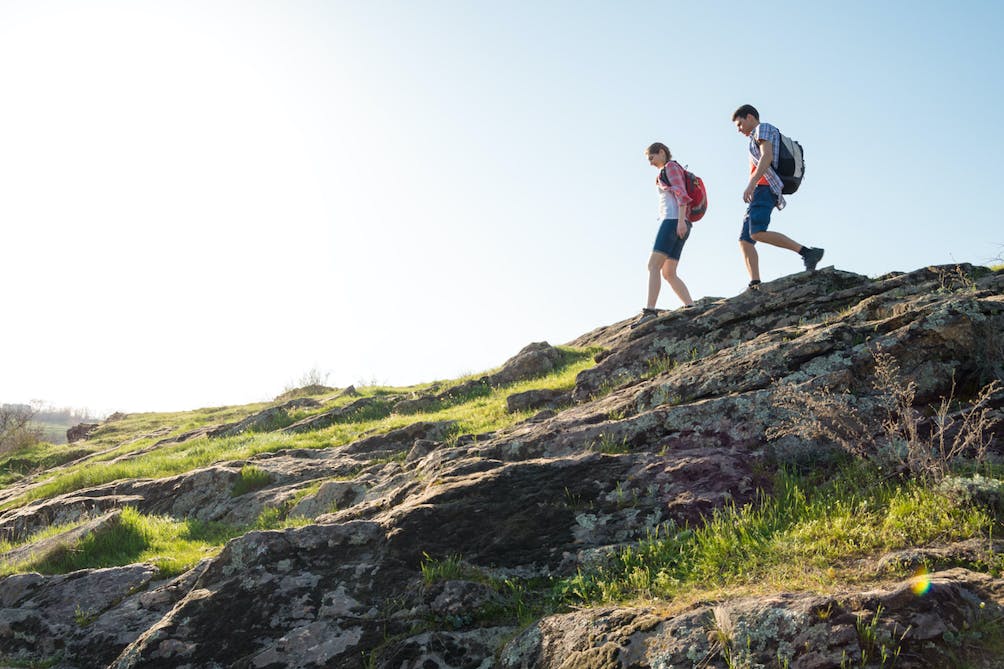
765,131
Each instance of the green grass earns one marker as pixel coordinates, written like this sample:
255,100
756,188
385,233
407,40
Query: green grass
252,478
474,416
611,445
658,365
451,568
804,535
518,601
50,531
277,518
37,457
807,535
174,546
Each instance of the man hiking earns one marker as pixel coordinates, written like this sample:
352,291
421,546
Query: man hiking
762,194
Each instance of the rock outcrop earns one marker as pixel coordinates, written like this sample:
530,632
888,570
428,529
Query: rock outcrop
884,627
534,360
669,426
80,431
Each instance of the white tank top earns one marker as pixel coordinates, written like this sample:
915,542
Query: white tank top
668,207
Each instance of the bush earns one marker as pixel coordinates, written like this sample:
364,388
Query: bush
899,436
16,429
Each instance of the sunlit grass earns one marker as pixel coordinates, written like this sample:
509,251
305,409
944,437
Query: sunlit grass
173,546
251,478
801,536
36,457
475,416
45,533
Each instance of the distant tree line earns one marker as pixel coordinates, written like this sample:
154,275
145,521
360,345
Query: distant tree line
67,416
22,425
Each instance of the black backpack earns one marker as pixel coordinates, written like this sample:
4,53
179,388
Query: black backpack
790,165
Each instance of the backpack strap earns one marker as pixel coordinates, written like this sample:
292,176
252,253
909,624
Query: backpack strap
664,177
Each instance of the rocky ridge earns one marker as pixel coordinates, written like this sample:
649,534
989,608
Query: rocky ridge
668,426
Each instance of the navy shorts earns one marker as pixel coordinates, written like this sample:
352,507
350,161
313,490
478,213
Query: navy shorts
668,242
758,213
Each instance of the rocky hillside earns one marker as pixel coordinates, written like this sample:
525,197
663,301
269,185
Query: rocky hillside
416,543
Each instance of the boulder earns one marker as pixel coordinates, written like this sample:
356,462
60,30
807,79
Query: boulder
535,400
63,541
533,360
267,420
370,405
81,431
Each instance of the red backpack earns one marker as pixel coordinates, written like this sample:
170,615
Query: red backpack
696,191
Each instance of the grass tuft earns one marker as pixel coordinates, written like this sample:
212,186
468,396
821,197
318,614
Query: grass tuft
252,478
173,546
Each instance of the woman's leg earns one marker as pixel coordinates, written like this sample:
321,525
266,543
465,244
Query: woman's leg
675,282
655,263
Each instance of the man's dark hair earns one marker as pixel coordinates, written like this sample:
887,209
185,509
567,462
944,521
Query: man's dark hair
745,111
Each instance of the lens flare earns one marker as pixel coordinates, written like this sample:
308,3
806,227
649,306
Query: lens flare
921,582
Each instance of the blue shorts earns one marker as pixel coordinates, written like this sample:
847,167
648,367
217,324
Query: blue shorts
758,213
668,242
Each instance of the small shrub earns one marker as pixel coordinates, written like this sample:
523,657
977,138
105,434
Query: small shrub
83,617
661,364
956,279
901,439
312,382
451,568
611,445
16,428
879,647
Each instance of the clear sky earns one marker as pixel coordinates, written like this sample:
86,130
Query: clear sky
202,201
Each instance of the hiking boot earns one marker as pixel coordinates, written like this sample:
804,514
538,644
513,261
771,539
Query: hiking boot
754,285
811,258
646,316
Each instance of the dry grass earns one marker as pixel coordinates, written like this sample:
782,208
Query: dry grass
899,435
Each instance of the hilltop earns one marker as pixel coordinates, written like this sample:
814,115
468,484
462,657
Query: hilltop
804,476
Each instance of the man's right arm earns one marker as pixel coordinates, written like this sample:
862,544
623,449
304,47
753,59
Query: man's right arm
766,158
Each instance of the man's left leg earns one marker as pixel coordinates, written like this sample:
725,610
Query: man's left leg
777,239
810,255
752,260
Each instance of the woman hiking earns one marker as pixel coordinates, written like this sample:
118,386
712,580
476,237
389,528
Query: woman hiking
674,206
